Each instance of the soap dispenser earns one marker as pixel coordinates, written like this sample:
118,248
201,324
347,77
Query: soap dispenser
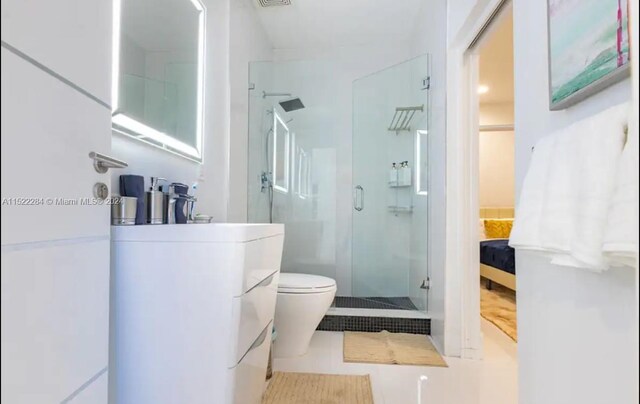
393,175
404,175
155,202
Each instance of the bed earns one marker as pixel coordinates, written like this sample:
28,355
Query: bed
497,259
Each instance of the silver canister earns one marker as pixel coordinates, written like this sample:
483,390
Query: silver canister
169,213
155,207
123,211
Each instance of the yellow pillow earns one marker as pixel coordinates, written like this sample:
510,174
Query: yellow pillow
498,228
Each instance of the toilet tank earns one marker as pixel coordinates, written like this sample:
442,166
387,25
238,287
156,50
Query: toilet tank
192,310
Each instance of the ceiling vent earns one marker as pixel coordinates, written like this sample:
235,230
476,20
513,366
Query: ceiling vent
272,3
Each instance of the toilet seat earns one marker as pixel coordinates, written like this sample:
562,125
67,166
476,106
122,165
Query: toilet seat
302,302
305,283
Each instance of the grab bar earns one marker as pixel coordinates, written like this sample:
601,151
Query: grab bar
358,206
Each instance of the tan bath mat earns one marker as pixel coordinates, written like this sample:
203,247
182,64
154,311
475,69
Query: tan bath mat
391,348
311,388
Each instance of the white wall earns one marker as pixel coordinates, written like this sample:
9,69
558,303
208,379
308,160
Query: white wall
457,15
249,42
212,175
633,6
497,158
575,328
430,36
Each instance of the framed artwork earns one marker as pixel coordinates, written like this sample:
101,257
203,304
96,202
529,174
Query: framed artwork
588,48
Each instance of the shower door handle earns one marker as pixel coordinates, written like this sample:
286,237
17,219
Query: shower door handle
358,203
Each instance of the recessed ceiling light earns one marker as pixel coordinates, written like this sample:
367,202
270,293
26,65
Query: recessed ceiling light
482,89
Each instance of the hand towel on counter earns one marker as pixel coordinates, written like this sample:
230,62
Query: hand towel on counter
621,237
564,204
133,185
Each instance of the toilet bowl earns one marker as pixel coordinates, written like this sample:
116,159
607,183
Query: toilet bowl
302,302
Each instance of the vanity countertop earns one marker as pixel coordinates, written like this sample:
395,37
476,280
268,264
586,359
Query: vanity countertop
208,232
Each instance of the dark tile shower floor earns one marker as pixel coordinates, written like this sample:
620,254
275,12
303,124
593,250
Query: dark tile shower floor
393,303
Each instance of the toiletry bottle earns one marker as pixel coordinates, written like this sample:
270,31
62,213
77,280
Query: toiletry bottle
192,203
181,205
393,175
155,202
404,177
169,213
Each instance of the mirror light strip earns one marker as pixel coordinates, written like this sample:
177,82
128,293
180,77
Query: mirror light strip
201,77
278,121
419,173
115,54
144,130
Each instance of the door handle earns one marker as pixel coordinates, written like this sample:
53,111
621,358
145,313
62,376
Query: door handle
358,204
103,163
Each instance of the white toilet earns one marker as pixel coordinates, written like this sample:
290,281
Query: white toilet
302,302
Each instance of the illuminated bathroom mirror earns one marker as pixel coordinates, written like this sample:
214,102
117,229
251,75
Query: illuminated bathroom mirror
422,164
280,168
158,73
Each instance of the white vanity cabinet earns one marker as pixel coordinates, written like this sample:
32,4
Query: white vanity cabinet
192,311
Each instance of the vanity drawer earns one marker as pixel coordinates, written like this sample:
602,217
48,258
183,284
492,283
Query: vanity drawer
261,258
252,312
251,372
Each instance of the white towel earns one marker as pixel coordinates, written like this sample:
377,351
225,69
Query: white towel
525,233
621,237
565,199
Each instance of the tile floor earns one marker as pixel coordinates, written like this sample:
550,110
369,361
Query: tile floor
492,380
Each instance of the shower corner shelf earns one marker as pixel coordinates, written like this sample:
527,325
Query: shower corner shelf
398,185
400,209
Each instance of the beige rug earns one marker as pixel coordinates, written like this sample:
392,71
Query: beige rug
498,306
310,388
390,348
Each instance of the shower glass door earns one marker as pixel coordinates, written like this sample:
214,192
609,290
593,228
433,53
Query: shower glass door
390,186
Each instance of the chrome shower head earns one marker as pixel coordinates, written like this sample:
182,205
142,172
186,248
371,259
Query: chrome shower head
271,3
293,104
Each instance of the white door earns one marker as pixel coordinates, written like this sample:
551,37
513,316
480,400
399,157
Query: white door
56,70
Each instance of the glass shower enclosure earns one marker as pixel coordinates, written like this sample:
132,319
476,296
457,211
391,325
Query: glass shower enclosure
390,173
343,163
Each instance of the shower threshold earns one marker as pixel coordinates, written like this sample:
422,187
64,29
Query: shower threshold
374,314
376,320
382,313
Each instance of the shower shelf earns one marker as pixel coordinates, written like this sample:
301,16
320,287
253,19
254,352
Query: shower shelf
400,209
403,117
398,185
